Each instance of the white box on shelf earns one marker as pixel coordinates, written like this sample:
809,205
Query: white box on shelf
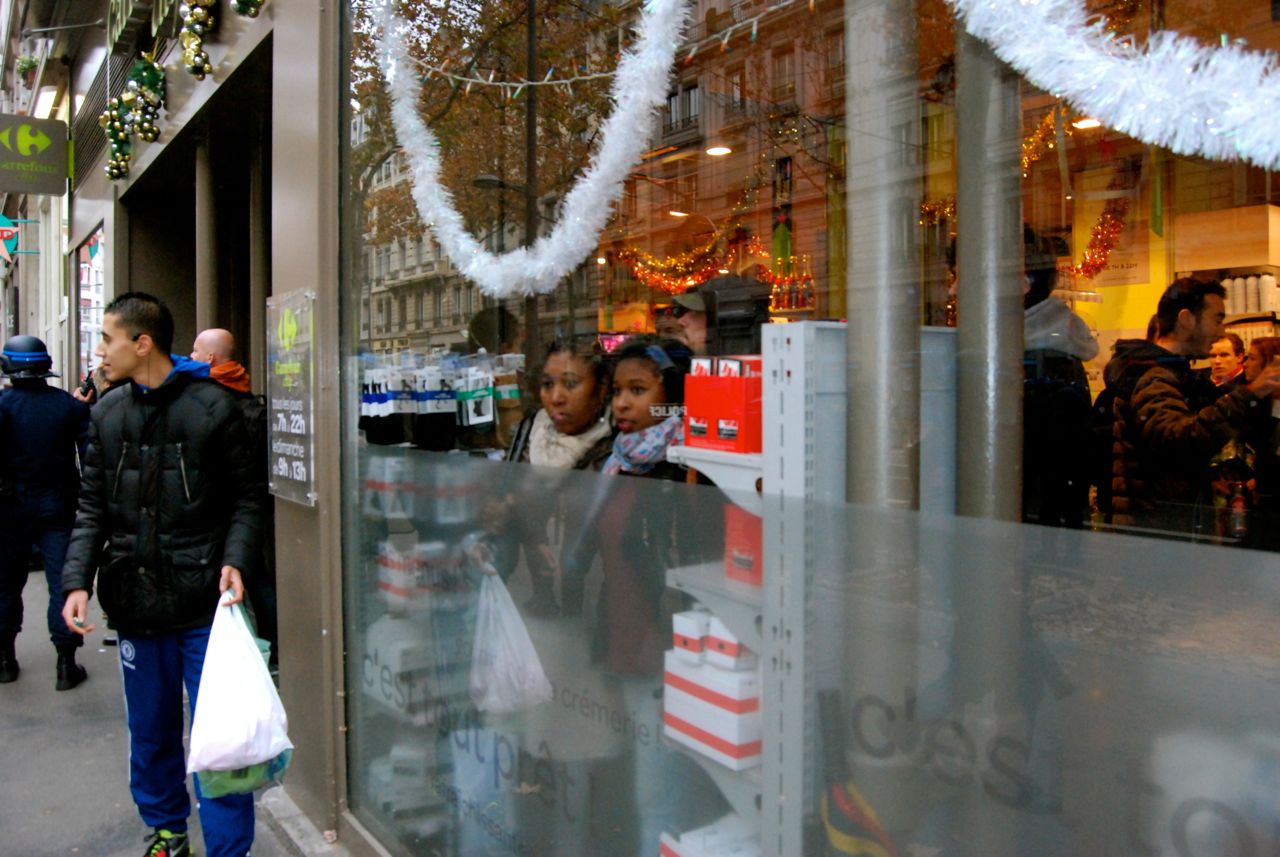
687,630
730,836
714,712
669,846
722,649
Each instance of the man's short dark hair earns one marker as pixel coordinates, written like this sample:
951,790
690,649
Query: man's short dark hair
1237,344
139,313
1184,293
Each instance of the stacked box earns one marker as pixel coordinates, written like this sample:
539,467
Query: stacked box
731,836
743,545
722,649
722,404
687,630
714,712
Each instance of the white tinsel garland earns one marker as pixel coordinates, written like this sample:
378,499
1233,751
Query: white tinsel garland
1219,102
639,87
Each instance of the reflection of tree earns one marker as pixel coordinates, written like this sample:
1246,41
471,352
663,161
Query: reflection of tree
480,127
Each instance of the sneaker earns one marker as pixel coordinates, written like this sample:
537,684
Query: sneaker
167,844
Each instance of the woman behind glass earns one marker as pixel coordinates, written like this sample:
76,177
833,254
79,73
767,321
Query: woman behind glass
572,431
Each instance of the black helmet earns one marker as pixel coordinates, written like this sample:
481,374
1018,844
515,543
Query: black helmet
26,357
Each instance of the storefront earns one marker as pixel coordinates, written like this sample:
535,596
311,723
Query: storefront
846,635
912,670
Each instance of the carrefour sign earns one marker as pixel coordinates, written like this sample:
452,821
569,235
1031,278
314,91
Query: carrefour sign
33,155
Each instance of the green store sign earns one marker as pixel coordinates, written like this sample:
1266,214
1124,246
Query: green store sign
33,155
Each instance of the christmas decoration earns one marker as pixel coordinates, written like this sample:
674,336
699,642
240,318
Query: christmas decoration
1172,92
1043,139
134,113
247,8
198,21
639,88
1102,240
934,210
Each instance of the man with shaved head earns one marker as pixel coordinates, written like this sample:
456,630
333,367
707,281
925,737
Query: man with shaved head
216,346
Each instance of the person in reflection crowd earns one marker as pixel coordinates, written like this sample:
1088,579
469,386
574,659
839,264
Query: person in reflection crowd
1169,421
1226,361
216,346
1103,420
170,483
43,432
571,431
647,524
1056,406
723,315
496,331
1261,438
635,527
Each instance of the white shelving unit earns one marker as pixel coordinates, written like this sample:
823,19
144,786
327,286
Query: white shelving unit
804,420
739,475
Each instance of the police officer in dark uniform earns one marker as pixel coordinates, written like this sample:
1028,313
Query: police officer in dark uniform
43,431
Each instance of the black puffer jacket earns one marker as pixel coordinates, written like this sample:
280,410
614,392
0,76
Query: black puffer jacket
171,483
1168,424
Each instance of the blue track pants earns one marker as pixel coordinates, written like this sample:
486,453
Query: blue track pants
155,670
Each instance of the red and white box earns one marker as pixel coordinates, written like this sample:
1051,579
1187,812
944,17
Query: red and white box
714,712
702,366
669,846
743,545
723,409
687,630
721,648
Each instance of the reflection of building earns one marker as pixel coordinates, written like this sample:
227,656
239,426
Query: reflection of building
91,265
745,173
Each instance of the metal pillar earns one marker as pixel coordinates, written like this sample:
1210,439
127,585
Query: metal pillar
986,577
883,269
206,242
990,286
880,543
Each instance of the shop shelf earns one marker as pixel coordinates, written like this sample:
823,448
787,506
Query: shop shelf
740,788
738,474
737,605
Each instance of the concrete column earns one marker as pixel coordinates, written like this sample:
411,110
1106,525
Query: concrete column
883,352
986,575
206,242
883,191
990,286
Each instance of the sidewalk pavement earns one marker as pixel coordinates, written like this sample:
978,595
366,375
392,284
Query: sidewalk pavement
64,760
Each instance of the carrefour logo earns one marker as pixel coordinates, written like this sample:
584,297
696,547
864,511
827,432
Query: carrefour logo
287,329
25,140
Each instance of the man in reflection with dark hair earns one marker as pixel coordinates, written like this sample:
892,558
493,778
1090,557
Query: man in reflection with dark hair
1056,407
1169,420
723,315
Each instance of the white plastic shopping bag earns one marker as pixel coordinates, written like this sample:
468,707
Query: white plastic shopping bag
239,733
506,674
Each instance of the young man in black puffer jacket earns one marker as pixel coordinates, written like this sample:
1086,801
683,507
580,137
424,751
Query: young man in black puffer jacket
170,483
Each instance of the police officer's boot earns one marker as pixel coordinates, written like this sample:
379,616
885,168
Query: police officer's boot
70,673
8,661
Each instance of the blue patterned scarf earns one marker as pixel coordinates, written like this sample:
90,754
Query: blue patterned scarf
640,451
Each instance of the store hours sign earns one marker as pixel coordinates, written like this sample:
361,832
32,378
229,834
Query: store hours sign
290,400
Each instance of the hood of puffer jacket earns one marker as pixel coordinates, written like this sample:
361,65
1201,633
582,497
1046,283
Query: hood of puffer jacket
184,368
1052,325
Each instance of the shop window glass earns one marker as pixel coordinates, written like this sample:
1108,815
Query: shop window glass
91,266
1018,598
